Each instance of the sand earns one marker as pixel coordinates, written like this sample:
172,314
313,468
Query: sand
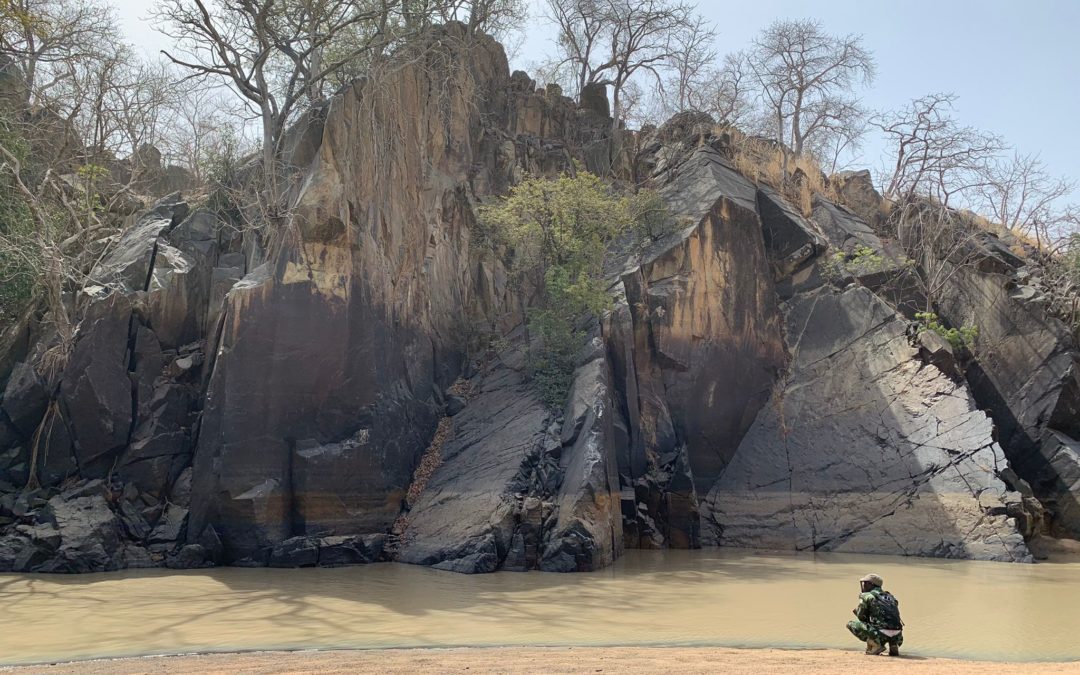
548,660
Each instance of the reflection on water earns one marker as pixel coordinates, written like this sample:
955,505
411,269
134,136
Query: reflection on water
729,598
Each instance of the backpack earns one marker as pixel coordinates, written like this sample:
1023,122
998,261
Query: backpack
885,611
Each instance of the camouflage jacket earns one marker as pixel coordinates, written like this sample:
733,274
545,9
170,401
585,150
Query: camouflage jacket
873,612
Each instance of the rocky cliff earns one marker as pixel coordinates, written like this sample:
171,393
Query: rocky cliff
361,395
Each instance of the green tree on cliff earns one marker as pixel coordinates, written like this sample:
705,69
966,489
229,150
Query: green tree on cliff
557,232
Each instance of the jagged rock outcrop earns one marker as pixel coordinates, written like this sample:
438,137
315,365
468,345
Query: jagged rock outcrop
352,335
326,406
697,314
515,490
1027,374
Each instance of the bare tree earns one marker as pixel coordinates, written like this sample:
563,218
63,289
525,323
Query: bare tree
691,65
931,154
939,240
581,26
202,120
1022,195
45,37
498,18
272,54
612,42
806,80
65,193
723,92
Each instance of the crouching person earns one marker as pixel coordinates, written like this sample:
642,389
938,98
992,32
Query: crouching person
878,621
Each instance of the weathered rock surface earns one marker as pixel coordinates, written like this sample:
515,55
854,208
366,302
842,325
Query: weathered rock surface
24,400
499,453
698,314
347,336
587,532
1027,374
864,449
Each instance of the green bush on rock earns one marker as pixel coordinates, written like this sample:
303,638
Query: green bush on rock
558,231
963,337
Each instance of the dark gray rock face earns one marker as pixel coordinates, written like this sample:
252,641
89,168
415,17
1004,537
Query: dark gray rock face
865,449
587,530
515,491
500,451
24,399
790,239
351,550
96,389
347,337
1053,470
317,409
1025,373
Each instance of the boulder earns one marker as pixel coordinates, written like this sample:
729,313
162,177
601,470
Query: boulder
190,556
350,549
846,232
25,399
790,240
90,535
295,552
128,265
856,191
455,404
594,99
96,391
171,527
936,350
160,446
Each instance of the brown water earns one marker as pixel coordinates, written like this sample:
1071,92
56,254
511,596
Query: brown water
964,609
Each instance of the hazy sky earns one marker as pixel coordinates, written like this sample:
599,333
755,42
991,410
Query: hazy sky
1014,64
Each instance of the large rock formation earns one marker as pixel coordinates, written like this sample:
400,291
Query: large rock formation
351,336
341,403
864,448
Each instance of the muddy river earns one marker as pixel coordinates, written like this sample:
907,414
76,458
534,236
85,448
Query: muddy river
990,611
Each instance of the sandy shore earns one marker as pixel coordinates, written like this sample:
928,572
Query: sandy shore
548,660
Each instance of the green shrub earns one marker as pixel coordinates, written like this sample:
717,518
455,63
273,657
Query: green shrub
963,337
860,262
559,230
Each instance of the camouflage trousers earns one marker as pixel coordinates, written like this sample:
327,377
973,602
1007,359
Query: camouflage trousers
865,631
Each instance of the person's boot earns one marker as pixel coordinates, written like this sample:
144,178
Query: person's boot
873,648
893,649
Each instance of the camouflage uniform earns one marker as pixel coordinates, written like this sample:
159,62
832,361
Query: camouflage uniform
868,625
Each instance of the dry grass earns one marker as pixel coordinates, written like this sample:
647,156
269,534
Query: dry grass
429,461
797,178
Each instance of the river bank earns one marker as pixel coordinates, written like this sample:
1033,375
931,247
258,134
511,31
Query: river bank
546,660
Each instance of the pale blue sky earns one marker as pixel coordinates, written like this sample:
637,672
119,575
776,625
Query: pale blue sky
1013,64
